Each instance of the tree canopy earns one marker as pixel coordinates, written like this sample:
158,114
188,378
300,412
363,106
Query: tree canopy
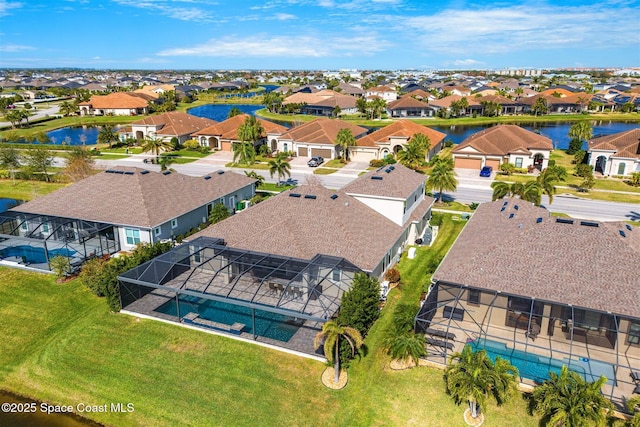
442,176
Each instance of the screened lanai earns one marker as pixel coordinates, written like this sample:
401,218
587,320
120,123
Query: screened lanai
536,336
32,240
265,297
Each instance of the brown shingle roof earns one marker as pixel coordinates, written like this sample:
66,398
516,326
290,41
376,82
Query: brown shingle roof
137,199
228,129
176,123
322,131
400,182
403,128
447,100
407,102
625,144
301,227
504,139
574,264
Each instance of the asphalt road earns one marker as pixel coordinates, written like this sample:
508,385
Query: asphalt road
470,188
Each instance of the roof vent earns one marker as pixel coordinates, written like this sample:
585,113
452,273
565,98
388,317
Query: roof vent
144,172
207,177
511,215
310,196
502,209
505,203
110,171
128,173
377,177
589,223
220,172
539,220
387,170
516,207
392,167
564,220
294,195
629,227
120,172
166,172
334,196
622,233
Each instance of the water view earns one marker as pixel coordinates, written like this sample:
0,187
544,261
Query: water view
6,204
219,112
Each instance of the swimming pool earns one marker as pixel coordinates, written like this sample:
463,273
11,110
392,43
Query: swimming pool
268,325
34,254
537,368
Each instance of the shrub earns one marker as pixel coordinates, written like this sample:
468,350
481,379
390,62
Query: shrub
218,213
584,171
552,162
191,144
473,206
448,143
60,266
376,163
436,220
635,179
360,305
507,168
389,159
579,156
392,275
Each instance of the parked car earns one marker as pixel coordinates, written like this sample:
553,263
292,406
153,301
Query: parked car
315,161
486,171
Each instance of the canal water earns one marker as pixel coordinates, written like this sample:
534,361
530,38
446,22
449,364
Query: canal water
20,412
6,204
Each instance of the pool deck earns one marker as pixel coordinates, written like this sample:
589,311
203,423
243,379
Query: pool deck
556,347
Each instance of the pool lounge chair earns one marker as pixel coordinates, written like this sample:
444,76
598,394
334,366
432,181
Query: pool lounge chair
637,389
439,343
635,376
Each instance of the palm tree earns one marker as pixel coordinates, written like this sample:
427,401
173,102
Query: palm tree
345,140
579,132
243,152
108,135
253,174
540,106
331,333
414,153
474,377
156,145
279,166
442,177
531,191
546,181
405,346
235,111
67,108
251,130
631,405
568,400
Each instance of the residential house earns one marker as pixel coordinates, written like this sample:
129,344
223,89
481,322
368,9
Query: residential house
116,104
385,92
507,105
221,136
141,206
407,106
292,273
503,144
540,292
392,138
616,154
315,138
174,124
445,104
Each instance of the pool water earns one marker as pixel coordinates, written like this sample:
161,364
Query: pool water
33,254
537,368
268,325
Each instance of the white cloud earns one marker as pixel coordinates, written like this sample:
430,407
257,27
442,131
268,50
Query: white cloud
15,48
519,28
466,62
284,16
6,6
283,46
167,8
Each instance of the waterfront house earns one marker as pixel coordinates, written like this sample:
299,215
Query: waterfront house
616,154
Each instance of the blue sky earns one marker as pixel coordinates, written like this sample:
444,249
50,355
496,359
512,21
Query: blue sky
319,34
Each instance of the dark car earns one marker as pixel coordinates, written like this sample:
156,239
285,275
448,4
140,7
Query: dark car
315,161
486,171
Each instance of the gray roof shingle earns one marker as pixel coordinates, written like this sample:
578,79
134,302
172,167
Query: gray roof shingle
399,183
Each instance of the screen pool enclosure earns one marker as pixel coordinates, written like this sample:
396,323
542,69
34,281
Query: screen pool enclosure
269,298
32,240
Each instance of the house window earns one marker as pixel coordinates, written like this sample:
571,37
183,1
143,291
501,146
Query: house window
45,228
474,297
518,162
621,168
174,223
24,226
336,275
634,333
285,147
132,235
157,231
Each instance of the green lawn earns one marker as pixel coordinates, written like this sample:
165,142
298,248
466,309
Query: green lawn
269,186
335,163
60,344
261,166
110,156
324,171
27,190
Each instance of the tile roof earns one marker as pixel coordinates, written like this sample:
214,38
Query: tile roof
407,101
625,144
302,227
399,183
138,199
176,123
116,100
400,128
504,139
447,100
228,129
322,131
586,266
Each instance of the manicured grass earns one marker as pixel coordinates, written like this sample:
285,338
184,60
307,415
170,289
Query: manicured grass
187,153
335,163
453,206
601,195
269,186
324,171
261,166
122,150
27,190
110,156
60,344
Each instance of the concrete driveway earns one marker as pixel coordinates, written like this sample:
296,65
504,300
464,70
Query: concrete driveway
472,178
